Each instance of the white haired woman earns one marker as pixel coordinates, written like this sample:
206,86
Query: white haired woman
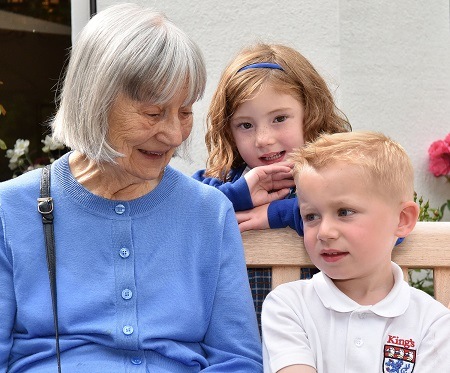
150,271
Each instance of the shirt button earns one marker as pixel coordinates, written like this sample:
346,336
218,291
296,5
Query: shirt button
127,330
362,315
124,252
358,342
119,209
136,360
127,294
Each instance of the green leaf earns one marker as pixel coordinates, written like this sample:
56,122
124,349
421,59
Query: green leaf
2,145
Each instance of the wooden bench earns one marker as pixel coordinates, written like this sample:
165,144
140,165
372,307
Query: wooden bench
428,246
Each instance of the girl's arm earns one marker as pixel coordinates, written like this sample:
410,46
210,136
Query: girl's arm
285,213
236,191
278,214
259,186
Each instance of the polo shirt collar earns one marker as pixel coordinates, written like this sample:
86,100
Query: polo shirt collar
394,304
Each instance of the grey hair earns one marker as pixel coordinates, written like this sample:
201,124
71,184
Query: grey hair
126,49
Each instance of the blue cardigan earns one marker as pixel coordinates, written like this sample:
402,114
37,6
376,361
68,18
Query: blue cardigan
281,213
144,285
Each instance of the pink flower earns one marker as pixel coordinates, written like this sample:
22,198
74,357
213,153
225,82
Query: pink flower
439,152
447,139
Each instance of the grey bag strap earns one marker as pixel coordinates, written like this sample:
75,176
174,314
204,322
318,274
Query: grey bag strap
45,207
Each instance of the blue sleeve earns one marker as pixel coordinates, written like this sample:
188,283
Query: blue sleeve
237,192
285,213
7,300
232,342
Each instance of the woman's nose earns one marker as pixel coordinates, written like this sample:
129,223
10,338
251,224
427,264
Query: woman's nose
172,131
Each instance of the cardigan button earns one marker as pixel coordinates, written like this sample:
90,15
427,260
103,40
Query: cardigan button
127,330
119,209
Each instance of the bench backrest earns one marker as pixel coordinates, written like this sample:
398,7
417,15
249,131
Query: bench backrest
428,246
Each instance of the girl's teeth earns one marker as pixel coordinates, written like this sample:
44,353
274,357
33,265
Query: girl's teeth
272,157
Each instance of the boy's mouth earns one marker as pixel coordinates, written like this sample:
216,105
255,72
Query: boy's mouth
333,256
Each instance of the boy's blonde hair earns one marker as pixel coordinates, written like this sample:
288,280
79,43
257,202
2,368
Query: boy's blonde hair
298,78
384,163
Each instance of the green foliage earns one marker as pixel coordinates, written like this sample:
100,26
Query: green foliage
423,278
428,213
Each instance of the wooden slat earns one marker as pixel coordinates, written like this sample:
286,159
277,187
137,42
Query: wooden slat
441,279
280,275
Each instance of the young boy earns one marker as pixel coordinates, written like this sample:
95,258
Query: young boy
355,195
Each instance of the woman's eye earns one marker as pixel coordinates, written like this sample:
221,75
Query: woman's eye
154,115
280,118
345,212
186,114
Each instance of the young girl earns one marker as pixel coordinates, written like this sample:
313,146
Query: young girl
269,101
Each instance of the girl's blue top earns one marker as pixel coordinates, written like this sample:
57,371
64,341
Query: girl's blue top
281,213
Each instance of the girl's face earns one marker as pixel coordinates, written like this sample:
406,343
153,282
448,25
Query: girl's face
267,127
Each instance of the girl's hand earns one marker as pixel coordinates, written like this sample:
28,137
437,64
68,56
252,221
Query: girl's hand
256,218
269,183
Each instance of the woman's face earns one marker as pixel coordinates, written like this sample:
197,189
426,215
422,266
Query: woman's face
267,127
148,135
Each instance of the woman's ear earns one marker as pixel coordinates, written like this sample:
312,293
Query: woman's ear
408,218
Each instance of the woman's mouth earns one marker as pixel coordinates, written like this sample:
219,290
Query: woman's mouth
151,153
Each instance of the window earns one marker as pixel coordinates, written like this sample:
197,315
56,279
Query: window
35,39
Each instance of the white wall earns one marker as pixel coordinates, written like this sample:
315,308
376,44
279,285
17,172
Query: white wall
388,62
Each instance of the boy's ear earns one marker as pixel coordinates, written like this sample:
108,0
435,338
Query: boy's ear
408,218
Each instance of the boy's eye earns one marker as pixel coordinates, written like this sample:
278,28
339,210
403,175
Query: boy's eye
311,217
280,118
245,126
345,212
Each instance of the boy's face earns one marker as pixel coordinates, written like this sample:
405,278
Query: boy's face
267,127
349,228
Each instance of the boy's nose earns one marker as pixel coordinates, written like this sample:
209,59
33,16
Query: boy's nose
327,230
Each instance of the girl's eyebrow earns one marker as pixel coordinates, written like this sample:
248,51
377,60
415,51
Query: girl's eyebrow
279,109
241,117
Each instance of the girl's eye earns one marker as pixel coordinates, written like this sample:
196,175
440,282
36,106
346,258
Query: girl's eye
345,212
280,118
245,126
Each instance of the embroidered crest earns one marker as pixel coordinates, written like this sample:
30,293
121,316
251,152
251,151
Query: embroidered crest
398,359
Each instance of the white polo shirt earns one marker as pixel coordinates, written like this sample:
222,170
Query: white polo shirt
312,322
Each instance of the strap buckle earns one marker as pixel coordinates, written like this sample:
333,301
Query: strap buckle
45,205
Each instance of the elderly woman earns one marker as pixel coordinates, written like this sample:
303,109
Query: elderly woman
150,271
